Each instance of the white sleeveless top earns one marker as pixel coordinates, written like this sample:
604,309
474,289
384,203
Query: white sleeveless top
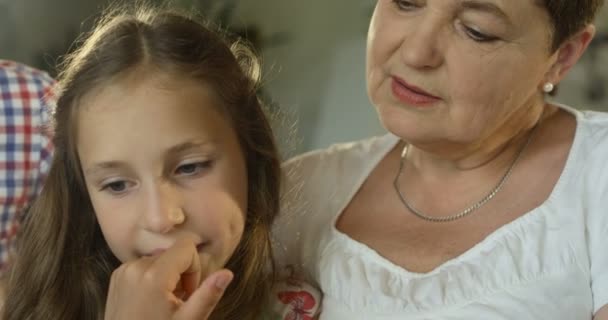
551,263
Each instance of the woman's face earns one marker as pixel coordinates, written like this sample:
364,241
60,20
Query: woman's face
456,71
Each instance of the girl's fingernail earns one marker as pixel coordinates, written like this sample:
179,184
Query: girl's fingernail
222,281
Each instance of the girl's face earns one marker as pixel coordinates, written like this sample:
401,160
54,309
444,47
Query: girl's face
161,163
480,64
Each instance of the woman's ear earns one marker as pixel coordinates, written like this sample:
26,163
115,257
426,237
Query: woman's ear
569,53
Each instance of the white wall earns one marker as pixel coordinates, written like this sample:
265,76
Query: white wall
345,112
574,89
316,75
30,27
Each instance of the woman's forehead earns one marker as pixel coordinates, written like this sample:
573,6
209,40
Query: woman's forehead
494,7
516,13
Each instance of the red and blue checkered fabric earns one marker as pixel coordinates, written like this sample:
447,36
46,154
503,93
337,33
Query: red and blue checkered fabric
25,145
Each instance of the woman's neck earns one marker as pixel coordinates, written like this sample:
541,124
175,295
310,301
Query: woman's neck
496,150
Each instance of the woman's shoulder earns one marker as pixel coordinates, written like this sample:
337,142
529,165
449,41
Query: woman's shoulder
586,120
591,139
590,146
315,187
340,155
596,120
316,175
593,152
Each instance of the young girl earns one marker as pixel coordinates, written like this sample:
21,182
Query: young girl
162,148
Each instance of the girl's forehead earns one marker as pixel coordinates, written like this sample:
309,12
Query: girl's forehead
139,84
147,111
149,119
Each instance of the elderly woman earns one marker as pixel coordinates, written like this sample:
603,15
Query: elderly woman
485,201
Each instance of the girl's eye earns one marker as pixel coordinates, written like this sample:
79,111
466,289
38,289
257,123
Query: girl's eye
478,36
191,169
116,187
404,5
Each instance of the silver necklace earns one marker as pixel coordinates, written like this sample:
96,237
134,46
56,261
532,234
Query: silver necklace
468,210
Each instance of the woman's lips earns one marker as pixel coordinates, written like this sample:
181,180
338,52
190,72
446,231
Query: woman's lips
410,94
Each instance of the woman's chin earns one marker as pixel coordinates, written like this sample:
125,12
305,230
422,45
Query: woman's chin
400,122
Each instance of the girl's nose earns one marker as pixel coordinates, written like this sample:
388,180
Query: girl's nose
163,210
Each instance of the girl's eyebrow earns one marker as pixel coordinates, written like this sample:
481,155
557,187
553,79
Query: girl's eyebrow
179,148
485,7
101,166
188,145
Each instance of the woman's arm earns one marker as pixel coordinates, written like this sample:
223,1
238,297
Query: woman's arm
602,314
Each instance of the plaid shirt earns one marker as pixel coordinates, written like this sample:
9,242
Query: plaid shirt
25,148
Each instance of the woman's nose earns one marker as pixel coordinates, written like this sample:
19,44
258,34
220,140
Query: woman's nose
163,210
421,46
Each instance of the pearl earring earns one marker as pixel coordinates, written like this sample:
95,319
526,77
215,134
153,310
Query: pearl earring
548,87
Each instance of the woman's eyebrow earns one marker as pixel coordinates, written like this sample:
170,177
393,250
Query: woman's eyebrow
485,7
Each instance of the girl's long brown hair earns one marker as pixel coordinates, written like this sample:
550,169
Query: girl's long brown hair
63,263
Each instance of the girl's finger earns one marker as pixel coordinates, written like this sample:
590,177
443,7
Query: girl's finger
179,261
204,300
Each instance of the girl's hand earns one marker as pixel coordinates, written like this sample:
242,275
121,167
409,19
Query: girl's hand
166,286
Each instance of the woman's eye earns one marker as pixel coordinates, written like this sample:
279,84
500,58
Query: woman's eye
192,168
479,36
404,5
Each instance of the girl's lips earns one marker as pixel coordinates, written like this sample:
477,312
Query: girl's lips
155,252
410,94
201,246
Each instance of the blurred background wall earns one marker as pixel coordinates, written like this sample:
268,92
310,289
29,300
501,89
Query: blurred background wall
313,53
